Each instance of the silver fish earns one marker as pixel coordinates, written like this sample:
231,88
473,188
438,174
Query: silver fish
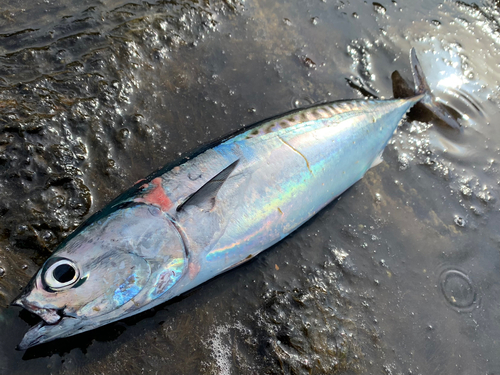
187,224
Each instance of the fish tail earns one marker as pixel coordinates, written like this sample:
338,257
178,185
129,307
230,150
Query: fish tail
421,85
402,90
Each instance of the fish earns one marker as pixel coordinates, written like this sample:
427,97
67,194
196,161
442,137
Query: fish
211,212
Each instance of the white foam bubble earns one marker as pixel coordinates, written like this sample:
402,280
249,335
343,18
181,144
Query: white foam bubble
221,347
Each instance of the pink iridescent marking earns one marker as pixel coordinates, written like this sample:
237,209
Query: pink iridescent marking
156,196
194,269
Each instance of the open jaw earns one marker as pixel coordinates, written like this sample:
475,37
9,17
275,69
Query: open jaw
55,323
49,316
43,332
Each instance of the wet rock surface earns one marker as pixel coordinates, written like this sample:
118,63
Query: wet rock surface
400,275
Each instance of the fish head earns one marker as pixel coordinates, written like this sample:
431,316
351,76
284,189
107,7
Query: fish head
112,268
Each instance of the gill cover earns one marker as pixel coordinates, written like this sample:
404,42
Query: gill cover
110,269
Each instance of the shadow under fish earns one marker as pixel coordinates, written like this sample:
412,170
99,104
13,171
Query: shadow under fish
172,232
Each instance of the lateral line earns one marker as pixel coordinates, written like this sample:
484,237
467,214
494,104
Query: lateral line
298,152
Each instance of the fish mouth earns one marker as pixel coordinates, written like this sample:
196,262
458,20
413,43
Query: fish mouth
53,320
48,315
43,332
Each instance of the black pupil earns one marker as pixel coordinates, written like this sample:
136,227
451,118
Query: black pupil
64,273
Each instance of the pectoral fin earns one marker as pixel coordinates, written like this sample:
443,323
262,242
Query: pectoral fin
204,198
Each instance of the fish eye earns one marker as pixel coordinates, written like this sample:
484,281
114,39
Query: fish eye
61,274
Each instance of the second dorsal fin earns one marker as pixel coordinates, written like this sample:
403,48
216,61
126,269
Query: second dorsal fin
204,197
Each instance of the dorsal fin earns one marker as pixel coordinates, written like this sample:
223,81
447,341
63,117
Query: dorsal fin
204,197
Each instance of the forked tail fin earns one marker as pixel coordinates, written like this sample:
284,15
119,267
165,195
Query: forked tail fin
429,101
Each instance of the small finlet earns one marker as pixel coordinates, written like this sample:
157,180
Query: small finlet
377,160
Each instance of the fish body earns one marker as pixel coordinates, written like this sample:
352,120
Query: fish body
186,224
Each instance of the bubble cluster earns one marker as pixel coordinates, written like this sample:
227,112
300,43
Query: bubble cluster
220,346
